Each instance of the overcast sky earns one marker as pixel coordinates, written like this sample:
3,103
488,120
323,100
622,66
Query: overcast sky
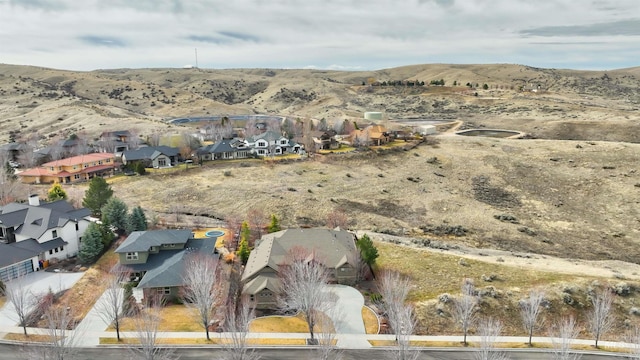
323,34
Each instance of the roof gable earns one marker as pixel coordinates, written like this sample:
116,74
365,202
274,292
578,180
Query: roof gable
144,240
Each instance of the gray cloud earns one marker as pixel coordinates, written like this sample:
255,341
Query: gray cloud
622,27
102,41
336,34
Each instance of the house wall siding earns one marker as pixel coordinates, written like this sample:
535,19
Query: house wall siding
142,258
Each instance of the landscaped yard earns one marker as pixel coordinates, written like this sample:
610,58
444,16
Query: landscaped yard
173,318
277,324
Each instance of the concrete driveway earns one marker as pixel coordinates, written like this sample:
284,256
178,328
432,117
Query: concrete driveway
347,318
36,284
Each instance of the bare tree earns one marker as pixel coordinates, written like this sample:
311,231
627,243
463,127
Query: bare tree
303,287
111,305
234,224
154,139
564,331
236,327
633,338
307,137
62,342
600,318
337,218
405,325
200,290
489,330
146,331
10,187
21,299
28,155
394,289
529,311
326,330
257,220
465,307
134,140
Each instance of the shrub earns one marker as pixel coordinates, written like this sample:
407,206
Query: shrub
227,173
230,258
444,298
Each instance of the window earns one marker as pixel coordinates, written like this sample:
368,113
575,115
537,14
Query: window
51,168
77,227
80,240
252,298
108,160
86,165
54,233
163,291
76,176
61,248
51,252
162,162
56,250
132,255
75,167
100,162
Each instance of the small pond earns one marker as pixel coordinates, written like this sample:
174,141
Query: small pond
489,133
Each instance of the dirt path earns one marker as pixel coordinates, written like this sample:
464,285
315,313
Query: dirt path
607,268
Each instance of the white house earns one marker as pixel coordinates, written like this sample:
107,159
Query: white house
33,233
270,143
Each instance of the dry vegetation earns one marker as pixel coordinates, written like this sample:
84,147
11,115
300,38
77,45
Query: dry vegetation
570,190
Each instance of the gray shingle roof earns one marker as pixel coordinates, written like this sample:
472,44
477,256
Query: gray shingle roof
144,240
36,220
149,152
11,254
165,268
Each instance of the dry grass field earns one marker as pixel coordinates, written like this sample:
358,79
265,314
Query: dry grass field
570,190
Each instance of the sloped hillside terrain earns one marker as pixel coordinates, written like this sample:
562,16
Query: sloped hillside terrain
570,190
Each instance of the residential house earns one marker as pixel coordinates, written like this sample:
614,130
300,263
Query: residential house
73,169
372,135
13,150
115,141
325,140
156,259
335,249
34,233
224,150
152,156
271,143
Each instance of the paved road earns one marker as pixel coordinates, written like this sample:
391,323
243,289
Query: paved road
10,352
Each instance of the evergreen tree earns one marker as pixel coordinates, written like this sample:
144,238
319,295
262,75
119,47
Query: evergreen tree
107,235
139,168
137,221
114,213
243,248
56,193
91,245
368,251
275,225
97,195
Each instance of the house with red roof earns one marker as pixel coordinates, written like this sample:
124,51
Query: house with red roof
69,170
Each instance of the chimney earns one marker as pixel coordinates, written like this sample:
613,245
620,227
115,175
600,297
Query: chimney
34,200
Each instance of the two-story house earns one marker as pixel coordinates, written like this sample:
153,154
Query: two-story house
152,156
73,169
34,233
156,259
335,249
115,141
271,143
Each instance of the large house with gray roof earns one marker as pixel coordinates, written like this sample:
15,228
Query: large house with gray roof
225,149
152,156
156,259
335,249
34,233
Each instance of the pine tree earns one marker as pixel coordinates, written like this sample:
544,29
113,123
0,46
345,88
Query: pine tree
114,213
97,195
91,245
275,225
368,251
243,248
56,193
136,221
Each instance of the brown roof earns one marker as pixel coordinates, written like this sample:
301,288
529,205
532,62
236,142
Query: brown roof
80,159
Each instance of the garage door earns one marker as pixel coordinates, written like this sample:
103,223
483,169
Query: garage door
16,270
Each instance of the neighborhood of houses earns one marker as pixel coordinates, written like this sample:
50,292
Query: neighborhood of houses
35,234
77,160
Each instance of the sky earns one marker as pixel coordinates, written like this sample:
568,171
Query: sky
319,34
